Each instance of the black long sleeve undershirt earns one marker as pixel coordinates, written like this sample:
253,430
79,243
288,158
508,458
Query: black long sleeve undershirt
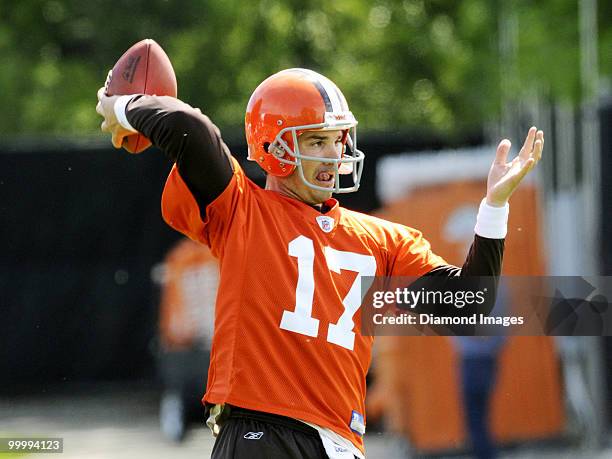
191,140
483,259
480,271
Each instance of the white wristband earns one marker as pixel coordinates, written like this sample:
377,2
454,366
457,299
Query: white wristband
120,106
492,222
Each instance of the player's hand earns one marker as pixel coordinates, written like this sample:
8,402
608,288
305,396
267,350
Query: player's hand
504,177
106,108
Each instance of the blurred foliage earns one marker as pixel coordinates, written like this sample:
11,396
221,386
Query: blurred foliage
404,64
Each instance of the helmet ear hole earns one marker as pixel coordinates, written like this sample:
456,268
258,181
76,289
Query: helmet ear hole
266,145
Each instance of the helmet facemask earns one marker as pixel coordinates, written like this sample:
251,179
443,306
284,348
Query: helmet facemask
350,162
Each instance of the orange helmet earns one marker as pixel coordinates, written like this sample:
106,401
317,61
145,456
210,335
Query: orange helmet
288,103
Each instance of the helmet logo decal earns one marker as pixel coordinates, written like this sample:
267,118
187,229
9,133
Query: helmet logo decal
326,223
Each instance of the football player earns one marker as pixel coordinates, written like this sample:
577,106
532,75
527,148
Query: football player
288,363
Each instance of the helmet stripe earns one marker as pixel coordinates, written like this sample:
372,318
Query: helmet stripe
327,89
330,89
328,103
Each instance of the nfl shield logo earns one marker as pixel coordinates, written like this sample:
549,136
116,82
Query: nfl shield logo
325,223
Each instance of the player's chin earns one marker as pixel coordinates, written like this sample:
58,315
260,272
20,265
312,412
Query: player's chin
321,196
315,197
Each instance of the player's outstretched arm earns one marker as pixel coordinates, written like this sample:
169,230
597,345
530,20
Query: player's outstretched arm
485,256
486,253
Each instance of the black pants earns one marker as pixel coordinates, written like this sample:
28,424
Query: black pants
254,435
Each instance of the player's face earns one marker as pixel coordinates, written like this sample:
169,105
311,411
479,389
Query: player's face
320,144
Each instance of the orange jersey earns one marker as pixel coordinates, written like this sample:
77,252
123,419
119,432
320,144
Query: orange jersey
287,337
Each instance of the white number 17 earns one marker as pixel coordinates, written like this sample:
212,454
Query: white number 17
300,320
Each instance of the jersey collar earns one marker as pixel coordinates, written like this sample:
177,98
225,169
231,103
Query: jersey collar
326,219
328,215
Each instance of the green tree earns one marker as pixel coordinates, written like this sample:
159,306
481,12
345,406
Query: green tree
404,64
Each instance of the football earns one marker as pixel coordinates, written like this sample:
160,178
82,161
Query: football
143,69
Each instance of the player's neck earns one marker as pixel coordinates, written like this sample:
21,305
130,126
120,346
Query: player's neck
282,187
